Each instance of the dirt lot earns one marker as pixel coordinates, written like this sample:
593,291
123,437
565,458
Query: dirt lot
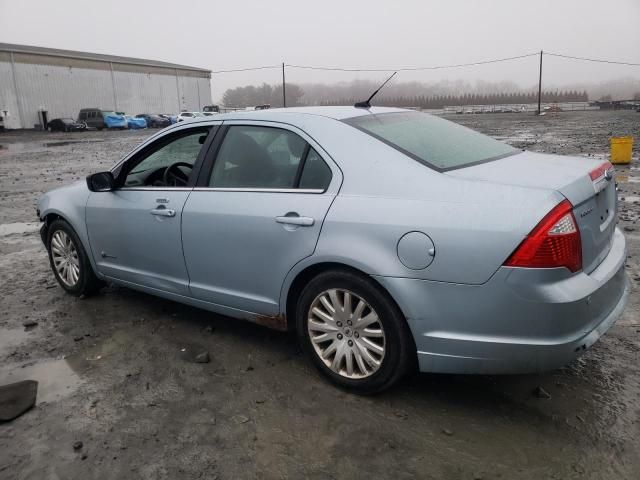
113,375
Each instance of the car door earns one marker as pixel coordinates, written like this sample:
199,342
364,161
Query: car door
248,222
134,230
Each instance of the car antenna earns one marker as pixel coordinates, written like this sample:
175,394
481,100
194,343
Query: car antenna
367,103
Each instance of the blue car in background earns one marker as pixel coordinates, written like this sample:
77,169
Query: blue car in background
114,120
135,123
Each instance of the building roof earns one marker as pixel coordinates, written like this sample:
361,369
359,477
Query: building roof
54,52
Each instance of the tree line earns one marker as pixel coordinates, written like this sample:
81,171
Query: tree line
440,101
251,95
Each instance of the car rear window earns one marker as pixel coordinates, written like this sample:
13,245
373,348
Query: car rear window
433,141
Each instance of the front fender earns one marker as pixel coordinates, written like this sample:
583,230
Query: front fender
68,203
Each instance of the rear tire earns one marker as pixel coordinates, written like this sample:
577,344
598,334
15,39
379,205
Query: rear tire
69,261
353,332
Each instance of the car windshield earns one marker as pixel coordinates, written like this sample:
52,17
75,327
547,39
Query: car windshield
107,113
67,120
433,141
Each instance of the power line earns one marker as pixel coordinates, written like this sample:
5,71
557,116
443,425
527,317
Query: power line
247,69
411,69
414,69
592,59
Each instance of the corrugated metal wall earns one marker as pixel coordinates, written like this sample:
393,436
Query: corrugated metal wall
64,86
8,99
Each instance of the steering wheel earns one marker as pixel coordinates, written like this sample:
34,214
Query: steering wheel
174,177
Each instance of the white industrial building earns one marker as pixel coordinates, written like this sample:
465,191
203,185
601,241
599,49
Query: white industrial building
61,82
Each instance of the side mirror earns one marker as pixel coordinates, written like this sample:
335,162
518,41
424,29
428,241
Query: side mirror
101,182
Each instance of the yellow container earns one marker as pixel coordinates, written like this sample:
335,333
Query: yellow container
621,148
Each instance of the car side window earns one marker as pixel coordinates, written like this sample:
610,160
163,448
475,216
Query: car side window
316,174
258,157
180,150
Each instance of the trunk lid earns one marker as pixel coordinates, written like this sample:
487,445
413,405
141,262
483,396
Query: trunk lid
594,199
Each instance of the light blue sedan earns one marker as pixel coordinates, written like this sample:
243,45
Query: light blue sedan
388,239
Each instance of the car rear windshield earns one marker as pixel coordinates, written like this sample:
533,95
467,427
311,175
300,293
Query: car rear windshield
433,141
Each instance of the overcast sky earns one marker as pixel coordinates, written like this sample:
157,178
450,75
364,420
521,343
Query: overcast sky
346,33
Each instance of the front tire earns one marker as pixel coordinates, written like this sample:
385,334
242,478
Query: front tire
69,261
353,332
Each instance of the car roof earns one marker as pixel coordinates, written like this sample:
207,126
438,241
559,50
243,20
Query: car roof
275,114
292,116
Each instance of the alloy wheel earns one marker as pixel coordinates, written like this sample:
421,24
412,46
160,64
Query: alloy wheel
65,258
346,333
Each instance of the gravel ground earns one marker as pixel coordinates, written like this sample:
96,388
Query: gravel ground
113,373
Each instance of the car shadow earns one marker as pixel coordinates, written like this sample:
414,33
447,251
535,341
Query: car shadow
587,391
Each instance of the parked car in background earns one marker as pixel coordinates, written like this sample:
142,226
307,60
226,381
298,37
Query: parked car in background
135,123
172,118
386,238
99,119
211,109
182,116
154,121
66,125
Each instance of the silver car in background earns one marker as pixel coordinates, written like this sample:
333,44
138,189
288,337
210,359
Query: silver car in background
388,239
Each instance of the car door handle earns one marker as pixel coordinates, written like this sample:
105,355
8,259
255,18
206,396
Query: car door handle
296,220
163,212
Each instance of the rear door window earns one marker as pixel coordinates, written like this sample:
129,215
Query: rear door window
259,157
316,174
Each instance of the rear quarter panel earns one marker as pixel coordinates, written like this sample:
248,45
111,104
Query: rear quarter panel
474,225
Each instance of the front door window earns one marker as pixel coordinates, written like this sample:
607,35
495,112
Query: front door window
167,163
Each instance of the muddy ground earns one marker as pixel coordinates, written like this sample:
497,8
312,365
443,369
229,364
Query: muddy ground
113,375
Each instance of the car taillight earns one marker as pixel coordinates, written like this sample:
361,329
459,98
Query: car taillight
554,242
600,170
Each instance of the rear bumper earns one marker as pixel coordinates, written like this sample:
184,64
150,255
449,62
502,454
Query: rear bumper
520,321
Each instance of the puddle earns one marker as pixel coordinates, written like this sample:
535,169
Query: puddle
627,179
18,228
10,338
56,379
69,142
519,139
21,147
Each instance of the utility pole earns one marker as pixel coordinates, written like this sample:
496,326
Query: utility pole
540,85
284,89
